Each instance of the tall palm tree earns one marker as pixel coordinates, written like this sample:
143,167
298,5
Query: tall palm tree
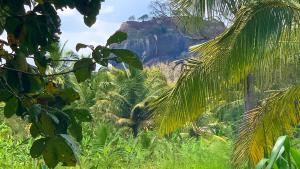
120,95
262,33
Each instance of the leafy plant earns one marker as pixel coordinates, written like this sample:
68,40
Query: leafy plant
282,156
259,39
29,91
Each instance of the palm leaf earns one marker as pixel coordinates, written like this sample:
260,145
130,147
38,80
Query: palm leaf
253,39
189,14
260,127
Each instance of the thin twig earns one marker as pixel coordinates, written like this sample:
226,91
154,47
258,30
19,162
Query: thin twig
49,75
58,60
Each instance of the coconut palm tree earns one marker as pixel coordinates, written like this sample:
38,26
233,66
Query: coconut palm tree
120,96
264,35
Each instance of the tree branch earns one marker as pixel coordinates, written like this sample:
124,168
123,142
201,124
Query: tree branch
41,75
58,60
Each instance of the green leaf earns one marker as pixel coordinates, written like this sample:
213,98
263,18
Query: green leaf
117,37
66,150
75,130
35,110
96,54
64,122
80,46
33,84
89,20
12,23
49,153
83,115
41,62
21,111
34,131
277,151
101,54
261,164
47,123
128,57
83,69
296,156
69,95
38,147
105,52
11,107
60,148
4,95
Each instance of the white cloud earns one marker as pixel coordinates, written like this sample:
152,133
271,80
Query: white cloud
107,9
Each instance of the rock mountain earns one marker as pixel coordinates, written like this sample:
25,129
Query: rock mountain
159,40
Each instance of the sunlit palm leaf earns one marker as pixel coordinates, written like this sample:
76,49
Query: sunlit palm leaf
225,61
261,126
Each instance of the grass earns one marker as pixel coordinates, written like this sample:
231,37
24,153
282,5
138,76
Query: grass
115,148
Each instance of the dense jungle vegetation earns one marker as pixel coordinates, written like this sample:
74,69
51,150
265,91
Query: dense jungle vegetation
234,105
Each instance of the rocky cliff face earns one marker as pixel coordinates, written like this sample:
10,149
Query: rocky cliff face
159,40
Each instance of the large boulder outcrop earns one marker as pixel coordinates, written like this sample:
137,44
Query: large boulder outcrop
159,40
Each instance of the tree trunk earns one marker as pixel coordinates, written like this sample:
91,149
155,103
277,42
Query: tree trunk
250,98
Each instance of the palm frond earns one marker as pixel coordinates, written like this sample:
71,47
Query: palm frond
189,14
260,127
253,39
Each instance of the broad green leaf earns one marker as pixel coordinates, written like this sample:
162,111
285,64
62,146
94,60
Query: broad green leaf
287,145
96,54
12,23
21,111
296,156
67,150
50,154
4,95
19,61
101,54
261,164
35,110
2,23
128,57
60,148
41,62
69,95
47,123
89,20
75,130
64,122
34,131
83,115
11,107
33,84
277,150
80,46
117,37
83,69
105,52
38,147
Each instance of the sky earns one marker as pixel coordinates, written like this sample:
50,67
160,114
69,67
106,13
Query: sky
111,16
